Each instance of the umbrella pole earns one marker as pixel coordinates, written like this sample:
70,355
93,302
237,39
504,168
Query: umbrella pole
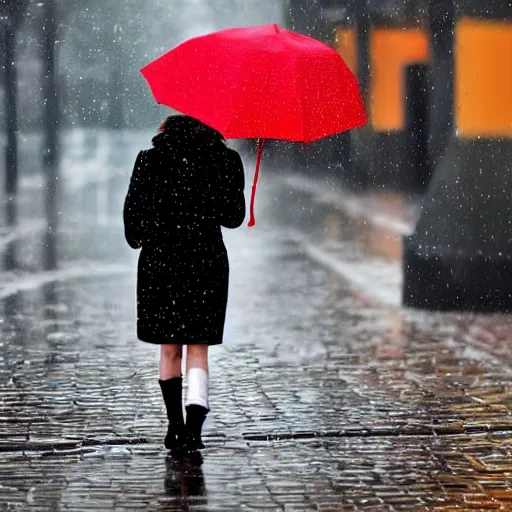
252,221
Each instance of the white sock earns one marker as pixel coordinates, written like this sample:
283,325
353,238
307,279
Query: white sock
197,394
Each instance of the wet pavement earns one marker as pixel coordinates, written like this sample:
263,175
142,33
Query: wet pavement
323,397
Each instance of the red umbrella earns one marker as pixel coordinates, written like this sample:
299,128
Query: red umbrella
259,82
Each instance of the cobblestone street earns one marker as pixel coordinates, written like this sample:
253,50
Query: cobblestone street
321,400
325,395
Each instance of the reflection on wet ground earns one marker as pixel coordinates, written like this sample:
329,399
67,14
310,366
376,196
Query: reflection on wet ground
307,409
321,398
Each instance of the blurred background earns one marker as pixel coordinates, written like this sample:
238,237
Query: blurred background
435,75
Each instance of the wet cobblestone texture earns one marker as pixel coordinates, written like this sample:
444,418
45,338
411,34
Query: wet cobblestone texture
321,400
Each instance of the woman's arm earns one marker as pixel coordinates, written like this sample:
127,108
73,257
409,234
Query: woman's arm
231,200
137,205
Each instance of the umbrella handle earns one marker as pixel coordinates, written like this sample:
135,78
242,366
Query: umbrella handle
261,142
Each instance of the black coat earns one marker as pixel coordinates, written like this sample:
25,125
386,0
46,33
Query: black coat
181,192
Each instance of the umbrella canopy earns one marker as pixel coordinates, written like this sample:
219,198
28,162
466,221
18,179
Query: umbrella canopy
259,82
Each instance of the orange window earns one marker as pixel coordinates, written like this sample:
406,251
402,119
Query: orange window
391,50
483,78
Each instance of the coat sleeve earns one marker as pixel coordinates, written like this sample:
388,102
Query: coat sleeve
230,198
137,205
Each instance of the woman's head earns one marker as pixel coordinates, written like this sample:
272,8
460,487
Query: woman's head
182,128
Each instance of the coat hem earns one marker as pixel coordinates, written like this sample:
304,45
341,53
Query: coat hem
160,341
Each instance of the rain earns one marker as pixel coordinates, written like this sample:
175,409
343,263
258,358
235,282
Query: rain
360,330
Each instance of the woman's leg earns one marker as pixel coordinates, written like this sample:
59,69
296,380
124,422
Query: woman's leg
170,361
171,385
197,357
197,404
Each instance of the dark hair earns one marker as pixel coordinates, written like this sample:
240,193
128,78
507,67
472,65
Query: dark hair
180,126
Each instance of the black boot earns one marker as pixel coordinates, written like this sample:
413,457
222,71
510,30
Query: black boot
196,414
172,393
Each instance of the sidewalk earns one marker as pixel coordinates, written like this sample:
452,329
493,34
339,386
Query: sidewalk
357,236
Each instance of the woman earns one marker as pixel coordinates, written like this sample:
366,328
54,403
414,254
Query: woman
181,192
